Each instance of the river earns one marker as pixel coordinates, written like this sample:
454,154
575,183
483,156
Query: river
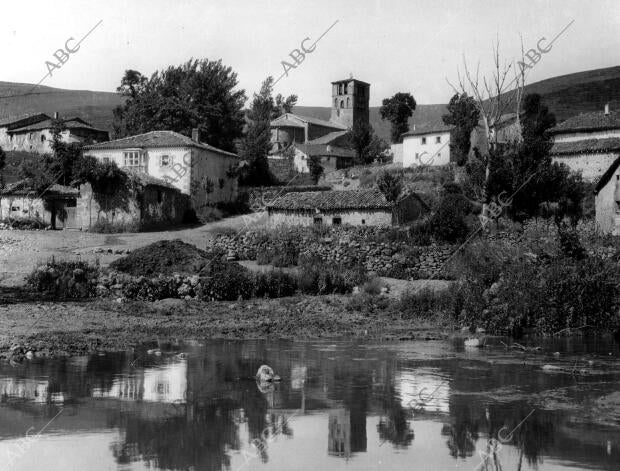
339,405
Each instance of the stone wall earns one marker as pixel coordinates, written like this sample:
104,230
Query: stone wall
345,247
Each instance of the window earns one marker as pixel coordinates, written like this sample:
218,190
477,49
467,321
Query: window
423,141
318,220
135,160
342,104
14,208
348,102
159,196
363,221
42,138
165,160
417,156
438,140
106,160
337,221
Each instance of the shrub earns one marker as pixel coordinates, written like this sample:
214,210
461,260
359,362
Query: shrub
373,286
448,222
25,223
426,303
274,284
317,277
420,233
150,289
64,278
227,282
569,242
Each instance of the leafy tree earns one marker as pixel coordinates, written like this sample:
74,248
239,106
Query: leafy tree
284,105
391,185
525,171
367,145
197,94
397,110
463,114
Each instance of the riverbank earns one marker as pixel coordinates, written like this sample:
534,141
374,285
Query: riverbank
78,328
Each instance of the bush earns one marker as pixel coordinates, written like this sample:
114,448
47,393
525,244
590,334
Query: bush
426,304
420,233
274,284
65,278
373,286
227,282
152,289
317,277
28,224
448,222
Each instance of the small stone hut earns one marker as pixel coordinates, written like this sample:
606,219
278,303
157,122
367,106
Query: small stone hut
361,207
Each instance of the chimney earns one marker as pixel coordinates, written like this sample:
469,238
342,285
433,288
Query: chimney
55,114
196,135
606,109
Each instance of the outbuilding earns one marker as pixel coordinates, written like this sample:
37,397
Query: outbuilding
362,207
607,200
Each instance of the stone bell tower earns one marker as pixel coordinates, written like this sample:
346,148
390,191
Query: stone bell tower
350,99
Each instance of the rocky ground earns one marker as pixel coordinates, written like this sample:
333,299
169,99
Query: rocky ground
21,250
74,328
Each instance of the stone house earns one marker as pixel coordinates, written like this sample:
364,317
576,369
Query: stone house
607,200
194,167
588,143
361,207
426,145
148,203
34,133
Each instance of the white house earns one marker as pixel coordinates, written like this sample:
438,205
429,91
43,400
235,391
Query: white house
607,200
194,167
427,145
589,142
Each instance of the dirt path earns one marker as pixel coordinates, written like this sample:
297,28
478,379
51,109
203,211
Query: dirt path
20,251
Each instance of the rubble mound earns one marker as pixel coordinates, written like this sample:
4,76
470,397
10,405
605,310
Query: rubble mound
164,257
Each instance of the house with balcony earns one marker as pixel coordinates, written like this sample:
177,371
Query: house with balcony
194,167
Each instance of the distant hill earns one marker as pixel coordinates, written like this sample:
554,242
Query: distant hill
566,96
17,99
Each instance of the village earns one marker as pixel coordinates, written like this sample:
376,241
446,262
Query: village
196,268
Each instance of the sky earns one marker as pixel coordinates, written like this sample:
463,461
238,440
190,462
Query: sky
413,46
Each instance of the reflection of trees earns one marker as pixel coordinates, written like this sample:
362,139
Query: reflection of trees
462,433
394,427
199,440
532,433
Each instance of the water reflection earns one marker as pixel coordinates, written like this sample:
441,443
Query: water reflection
390,404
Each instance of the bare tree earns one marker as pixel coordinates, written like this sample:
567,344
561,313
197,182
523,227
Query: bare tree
496,94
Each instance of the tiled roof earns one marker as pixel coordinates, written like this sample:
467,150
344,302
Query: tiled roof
325,150
286,122
16,121
595,121
607,176
156,139
24,187
608,144
328,138
70,123
370,198
307,119
429,128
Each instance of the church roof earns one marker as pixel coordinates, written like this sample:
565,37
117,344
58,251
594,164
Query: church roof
291,117
328,138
